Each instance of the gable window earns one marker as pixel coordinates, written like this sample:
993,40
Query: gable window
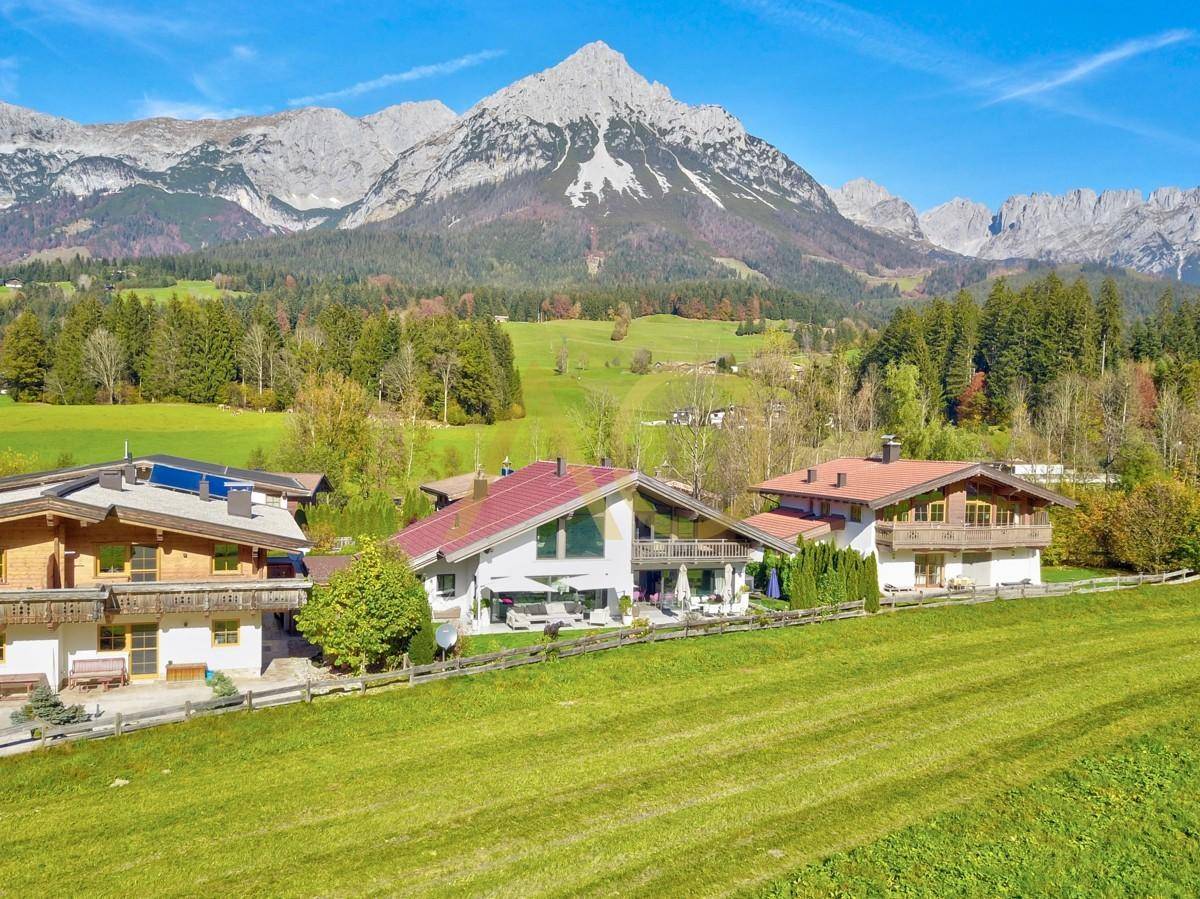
445,585
547,540
585,533
112,638
226,632
111,560
225,557
855,512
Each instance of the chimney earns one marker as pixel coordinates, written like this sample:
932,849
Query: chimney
110,479
560,467
606,462
812,476
239,502
203,491
841,479
891,449
479,488
130,473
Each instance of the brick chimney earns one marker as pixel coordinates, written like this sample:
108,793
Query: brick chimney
560,467
891,449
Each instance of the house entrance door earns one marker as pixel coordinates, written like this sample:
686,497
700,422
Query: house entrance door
929,568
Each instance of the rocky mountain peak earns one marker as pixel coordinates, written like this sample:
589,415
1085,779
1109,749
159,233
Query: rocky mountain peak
867,203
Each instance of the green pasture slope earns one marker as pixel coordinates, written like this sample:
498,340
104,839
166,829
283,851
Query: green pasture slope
200,290
98,433
550,398
787,762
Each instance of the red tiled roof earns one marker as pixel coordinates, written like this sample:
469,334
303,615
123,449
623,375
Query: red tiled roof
521,497
867,480
788,524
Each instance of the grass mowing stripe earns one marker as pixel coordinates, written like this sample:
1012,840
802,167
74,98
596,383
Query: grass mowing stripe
714,742
1119,823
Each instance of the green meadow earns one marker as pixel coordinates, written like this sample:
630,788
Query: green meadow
97,433
200,290
1033,747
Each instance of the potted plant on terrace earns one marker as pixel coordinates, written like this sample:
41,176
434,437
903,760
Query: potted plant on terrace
626,605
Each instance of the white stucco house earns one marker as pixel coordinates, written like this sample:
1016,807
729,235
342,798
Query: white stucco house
580,535
927,523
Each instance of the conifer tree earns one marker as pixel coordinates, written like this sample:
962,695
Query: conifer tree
24,358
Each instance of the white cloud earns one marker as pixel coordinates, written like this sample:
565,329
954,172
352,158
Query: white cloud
1090,65
434,70
154,107
9,70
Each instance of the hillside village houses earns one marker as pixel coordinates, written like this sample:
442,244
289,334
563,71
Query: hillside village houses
146,568
928,524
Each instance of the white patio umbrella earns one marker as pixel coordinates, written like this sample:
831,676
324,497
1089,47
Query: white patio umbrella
728,591
683,590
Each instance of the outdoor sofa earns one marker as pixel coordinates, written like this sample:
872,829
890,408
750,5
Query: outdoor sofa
525,616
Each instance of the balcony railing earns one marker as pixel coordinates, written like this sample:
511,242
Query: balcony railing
669,553
938,535
149,598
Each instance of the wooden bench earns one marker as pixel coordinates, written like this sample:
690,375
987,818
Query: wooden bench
20,686
186,671
98,672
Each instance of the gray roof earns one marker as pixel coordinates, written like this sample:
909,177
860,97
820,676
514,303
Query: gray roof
278,481
155,506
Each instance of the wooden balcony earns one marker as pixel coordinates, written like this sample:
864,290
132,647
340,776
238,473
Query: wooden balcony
51,606
926,535
150,598
673,553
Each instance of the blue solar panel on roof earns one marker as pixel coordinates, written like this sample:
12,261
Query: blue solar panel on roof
189,481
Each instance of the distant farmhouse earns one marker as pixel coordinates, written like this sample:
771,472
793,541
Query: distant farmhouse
145,568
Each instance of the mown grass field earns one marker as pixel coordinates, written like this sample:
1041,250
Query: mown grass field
708,767
98,433
200,290
1060,574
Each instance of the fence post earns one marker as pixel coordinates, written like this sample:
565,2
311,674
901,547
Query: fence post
308,691
249,700
42,734
118,724
362,686
187,710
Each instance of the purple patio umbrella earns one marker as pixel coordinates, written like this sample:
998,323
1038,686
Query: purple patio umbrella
773,585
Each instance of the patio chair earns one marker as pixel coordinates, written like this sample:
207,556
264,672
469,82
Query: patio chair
518,621
599,617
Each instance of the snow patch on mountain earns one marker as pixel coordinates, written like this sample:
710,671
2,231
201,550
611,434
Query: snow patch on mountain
602,173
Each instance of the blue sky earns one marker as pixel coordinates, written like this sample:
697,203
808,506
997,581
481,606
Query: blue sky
933,100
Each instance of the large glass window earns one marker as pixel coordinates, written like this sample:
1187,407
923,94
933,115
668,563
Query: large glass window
929,507
143,649
445,584
547,540
703,581
585,533
685,528
979,513
225,558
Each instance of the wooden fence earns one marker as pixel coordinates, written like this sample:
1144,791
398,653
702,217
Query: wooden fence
34,734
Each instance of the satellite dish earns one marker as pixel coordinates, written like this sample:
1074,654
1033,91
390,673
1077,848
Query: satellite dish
446,635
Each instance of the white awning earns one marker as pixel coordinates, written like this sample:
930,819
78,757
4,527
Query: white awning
517,584
590,582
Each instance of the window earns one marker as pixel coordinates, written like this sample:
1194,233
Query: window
3,565
226,633
3,643
143,563
1007,512
685,529
855,512
585,533
979,513
112,638
547,540
445,585
225,557
702,581
110,560
929,507
825,508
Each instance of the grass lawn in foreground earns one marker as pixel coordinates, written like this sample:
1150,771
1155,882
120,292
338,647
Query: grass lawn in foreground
706,766
98,433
